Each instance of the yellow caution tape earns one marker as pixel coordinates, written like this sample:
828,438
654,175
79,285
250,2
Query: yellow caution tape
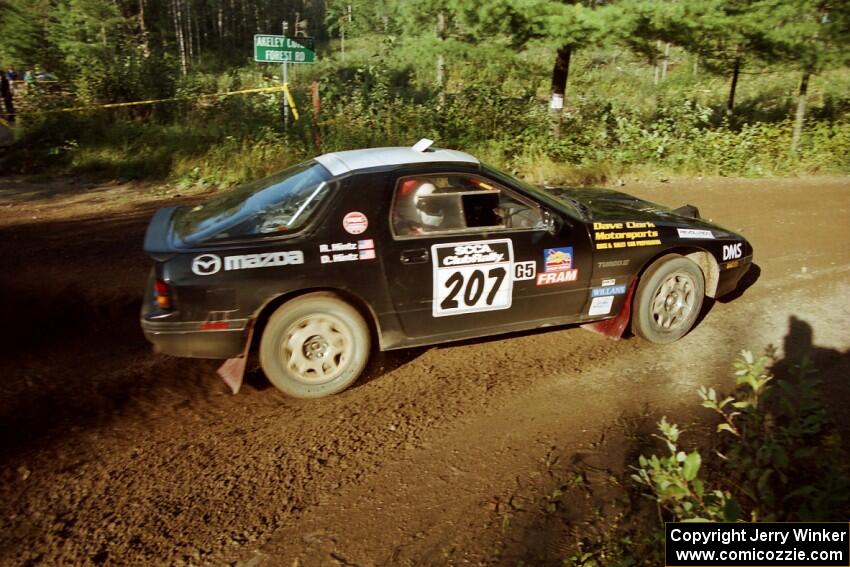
291,100
284,88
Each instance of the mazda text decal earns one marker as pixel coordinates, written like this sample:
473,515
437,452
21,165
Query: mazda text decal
472,276
209,264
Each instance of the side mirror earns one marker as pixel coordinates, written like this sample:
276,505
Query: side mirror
551,221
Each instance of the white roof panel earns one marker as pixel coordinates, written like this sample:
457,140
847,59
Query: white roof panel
339,163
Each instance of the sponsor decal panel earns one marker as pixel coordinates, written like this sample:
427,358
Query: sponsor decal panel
347,251
610,281
471,277
355,223
694,233
557,266
732,251
525,270
558,259
608,290
628,234
601,305
209,264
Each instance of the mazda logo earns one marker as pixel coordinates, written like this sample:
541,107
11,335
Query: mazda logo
206,264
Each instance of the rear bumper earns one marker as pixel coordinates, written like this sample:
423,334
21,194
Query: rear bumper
197,339
731,274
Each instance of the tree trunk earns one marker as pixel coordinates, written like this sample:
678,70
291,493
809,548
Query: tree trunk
441,61
178,33
657,77
730,104
801,111
665,63
143,30
560,75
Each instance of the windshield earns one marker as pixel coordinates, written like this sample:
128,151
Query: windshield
572,206
280,204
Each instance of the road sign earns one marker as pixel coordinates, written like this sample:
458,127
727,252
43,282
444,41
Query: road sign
283,49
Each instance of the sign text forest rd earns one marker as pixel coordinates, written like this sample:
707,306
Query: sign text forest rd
280,48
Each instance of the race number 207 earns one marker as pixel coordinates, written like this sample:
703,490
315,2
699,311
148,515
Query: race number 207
472,276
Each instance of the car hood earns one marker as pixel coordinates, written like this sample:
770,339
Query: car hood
608,205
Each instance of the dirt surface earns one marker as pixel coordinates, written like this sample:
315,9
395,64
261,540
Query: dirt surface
486,452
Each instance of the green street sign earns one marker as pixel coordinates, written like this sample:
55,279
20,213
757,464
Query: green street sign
280,49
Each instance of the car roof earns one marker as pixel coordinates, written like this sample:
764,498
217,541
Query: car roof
339,163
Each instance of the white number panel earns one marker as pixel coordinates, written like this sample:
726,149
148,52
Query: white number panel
470,277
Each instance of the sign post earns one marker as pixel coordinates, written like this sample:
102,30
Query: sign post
284,50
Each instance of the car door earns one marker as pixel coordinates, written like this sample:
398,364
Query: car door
469,255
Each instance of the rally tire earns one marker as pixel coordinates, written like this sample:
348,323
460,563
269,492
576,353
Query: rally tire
314,346
668,299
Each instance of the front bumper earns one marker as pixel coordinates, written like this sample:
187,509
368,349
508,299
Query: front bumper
197,339
731,274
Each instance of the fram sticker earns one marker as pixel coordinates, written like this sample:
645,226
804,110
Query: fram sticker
355,223
558,259
472,276
694,233
564,276
601,305
608,290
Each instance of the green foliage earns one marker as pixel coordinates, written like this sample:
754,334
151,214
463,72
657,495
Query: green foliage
780,458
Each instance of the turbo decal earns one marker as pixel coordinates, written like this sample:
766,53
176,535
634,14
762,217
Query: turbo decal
613,263
471,277
611,235
209,264
694,233
601,305
347,251
355,223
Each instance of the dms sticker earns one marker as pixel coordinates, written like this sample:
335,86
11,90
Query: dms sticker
732,251
694,233
355,223
470,277
209,264
557,259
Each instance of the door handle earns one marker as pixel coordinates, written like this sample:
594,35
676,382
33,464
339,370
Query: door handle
415,256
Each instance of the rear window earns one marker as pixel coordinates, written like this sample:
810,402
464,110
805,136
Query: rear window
277,205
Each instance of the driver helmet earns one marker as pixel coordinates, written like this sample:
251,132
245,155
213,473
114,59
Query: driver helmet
429,210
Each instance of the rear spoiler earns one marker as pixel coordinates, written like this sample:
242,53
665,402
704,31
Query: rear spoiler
158,236
689,211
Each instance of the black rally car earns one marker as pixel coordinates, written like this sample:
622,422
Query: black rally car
400,247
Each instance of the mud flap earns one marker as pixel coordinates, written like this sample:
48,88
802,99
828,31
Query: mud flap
233,369
614,328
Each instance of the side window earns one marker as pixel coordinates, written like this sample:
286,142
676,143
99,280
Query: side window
438,204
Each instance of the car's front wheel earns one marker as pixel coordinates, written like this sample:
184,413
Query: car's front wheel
668,299
314,345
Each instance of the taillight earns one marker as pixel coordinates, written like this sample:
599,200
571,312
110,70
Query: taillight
163,294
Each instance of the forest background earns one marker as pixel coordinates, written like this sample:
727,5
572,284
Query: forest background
648,89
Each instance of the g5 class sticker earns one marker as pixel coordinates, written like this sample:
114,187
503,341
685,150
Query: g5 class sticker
525,270
209,264
471,277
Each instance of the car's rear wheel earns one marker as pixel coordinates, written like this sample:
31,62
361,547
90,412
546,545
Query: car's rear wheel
668,299
314,346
